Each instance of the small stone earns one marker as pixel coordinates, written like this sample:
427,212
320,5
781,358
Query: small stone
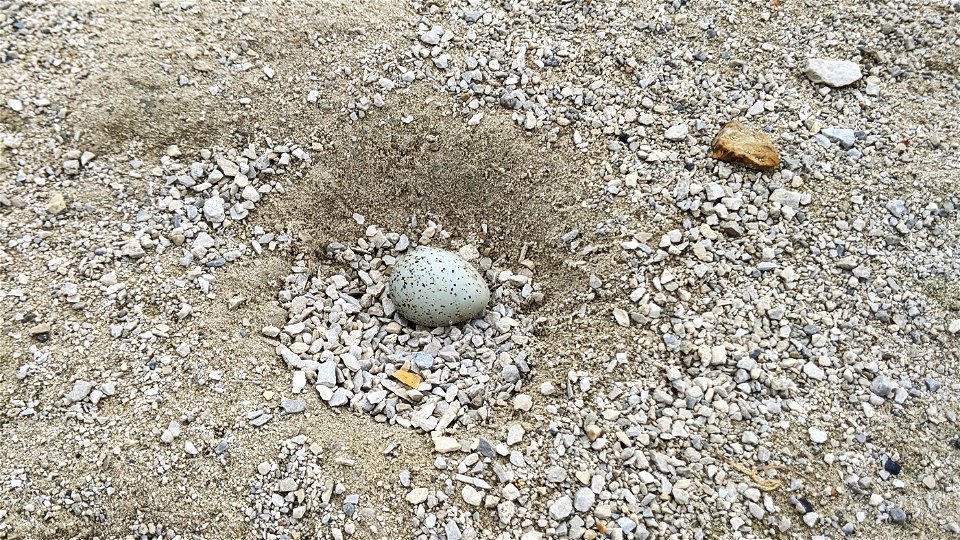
432,36
287,485
583,499
556,474
471,496
408,378
190,449
327,374
897,208
835,73
299,381
452,530
522,402
814,371
261,420
171,433
423,360
844,136
954,326
676,133
713,191
898,515
621,317
133,249
57,204
737,143
445,445
881,386
270,331
213,209
514,434
229,168
892,467
338,398
561,508
417,495
818,435
511,373
40,331
293,406
792,199
810,518
80,390
626,524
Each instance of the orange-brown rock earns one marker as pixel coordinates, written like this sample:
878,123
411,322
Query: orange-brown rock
737,143
406,377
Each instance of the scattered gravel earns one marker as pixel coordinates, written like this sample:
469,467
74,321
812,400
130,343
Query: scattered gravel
431,381
746,325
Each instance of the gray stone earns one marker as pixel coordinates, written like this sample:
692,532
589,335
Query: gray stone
898,515
80,390
190,448
897,208
835,73
452,530
471,496
287,485
511,373
583,499
213,209
424,360
814,371
293,406
261,420
844,136
556,474
561,508
626,524
327,374
339,398
676,133
881,386
714,191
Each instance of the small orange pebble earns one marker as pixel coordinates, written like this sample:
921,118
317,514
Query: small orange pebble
406,377
601,528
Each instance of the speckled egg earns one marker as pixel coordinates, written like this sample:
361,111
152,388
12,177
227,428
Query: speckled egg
435,287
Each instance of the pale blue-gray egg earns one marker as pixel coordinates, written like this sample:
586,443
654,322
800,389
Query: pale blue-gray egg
436,287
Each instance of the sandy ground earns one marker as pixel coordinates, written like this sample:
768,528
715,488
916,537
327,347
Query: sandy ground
110,69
